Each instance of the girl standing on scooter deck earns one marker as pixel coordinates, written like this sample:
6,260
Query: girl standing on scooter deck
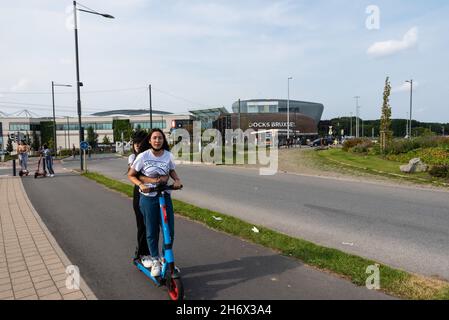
157,166
139,145
22,151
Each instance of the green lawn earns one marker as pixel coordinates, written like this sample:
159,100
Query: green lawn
376,165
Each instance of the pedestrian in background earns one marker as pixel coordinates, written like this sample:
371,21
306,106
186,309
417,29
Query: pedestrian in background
48,160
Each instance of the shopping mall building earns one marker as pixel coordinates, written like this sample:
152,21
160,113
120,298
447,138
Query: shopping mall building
67,128
263,114
299,117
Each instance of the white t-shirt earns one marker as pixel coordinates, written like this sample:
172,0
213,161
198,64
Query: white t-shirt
131,159
151,166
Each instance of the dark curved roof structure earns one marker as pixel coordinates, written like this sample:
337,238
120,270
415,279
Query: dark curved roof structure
128,112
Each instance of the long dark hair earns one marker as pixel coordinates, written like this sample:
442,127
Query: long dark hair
165,145
140,137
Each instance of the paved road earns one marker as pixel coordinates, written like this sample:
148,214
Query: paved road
404,227
96,228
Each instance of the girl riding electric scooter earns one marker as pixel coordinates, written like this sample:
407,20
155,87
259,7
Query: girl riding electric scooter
156,166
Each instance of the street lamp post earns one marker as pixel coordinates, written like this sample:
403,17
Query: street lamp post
151,108
78,83
407,127
411,104
288,107
53,85
357,116
350,124
68,133
361,123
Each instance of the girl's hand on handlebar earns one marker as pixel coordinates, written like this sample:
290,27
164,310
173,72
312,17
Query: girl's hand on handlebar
163,179
177,184
144,188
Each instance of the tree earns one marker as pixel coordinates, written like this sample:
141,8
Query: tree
385,121
106,140
36,143
120,126
47,133
92,137
9,147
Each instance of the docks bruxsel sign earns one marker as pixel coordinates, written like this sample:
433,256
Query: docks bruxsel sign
270,125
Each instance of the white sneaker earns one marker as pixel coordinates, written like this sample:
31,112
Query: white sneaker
147,261
52,175
156,268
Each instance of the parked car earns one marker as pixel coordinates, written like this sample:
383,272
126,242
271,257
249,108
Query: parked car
322,142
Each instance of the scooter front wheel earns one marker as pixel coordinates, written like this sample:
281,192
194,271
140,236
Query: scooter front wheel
175,289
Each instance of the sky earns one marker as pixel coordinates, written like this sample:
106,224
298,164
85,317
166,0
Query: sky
206,54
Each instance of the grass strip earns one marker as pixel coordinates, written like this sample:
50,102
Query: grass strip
392,281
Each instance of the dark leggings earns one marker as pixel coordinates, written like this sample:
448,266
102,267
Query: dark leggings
142,246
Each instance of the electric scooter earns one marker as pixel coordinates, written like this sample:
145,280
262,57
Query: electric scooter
23,172
170,274
40,173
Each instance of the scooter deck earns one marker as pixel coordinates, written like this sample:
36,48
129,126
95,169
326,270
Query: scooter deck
147,272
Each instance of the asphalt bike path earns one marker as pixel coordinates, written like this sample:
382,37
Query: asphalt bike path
96,229
404,227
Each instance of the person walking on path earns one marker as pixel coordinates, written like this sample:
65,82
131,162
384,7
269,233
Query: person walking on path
73,151
48,160
142,252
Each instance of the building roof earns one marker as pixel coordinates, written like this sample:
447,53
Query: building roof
209,113
129,112
273,100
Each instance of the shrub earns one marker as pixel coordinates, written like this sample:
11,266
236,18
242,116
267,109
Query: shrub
375,150
68,152
362,147
399,146
348,144
440,171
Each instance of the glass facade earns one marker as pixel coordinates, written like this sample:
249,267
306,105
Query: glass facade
19,127
146,124
24,127
262,107
74,126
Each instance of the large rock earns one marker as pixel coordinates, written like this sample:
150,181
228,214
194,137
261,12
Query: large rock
415,165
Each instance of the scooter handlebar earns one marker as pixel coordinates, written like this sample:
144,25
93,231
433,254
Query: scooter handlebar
165,188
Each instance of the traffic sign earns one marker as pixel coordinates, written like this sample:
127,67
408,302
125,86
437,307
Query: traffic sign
84,145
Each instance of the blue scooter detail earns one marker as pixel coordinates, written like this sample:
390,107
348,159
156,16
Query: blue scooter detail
170,274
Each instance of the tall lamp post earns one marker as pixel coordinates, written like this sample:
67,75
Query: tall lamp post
151,108
411,104
53,85
78,83
357,116
288,107
350,125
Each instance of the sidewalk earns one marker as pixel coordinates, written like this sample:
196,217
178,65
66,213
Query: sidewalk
32,265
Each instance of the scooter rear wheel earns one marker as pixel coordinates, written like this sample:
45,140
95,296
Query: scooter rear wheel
176,289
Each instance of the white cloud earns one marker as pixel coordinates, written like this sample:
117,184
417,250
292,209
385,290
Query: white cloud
405,87
390,47
22,84
66,61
